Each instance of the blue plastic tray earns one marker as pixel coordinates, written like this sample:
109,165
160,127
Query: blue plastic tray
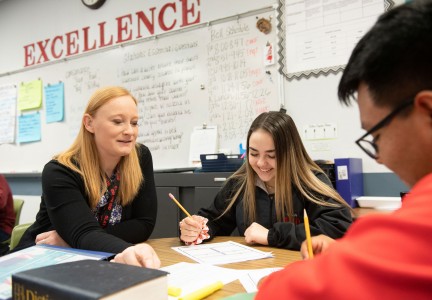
220,162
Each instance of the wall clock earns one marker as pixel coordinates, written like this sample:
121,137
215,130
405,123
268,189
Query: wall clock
93,4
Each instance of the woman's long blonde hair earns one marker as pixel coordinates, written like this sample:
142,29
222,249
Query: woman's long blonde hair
294,168
83,157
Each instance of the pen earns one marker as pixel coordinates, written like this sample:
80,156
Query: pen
179,205
308,235
203,292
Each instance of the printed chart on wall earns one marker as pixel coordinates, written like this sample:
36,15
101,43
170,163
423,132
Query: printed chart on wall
222,74
319,36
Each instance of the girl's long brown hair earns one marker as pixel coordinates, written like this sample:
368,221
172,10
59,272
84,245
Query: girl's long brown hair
294,168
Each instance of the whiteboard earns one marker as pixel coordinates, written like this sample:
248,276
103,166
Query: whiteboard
213,74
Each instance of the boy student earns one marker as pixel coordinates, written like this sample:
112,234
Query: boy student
381,256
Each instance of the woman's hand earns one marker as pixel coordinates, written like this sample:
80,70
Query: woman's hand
320,243
50,238
256,234
141,255
190,228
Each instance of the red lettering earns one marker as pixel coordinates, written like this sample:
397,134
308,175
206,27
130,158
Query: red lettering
43,54
82,40
53,46
29,55
86,40
122,27
143,18
186,11
102,36
161,17
71,43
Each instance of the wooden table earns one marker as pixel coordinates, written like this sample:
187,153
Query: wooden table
281,258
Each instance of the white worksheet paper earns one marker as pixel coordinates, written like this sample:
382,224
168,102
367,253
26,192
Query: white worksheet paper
250,278
192,276
221,253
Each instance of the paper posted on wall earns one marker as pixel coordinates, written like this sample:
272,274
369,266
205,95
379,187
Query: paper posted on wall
203,140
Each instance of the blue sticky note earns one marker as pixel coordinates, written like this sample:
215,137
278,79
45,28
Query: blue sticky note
29,129
54,102
241,149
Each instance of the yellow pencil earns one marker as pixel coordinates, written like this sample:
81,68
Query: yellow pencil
203,292
308,235
179,205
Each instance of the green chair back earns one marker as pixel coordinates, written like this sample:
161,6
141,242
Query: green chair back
17,233
18,205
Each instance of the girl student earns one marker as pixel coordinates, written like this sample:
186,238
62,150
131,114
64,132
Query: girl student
266,197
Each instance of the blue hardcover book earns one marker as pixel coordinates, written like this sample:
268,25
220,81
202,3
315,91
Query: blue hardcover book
349,179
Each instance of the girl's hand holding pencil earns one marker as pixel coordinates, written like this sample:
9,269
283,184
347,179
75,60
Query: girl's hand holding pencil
194,228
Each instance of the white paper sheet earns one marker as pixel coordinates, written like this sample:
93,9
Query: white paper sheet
250,278
192,276
221,253
204,140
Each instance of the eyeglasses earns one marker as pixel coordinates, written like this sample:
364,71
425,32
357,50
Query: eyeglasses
367,142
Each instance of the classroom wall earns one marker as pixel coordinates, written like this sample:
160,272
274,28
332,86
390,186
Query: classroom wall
182,78
309,101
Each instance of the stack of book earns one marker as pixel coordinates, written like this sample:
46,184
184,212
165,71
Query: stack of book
49,272
90,279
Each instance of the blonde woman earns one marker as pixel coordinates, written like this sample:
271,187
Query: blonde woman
265,198
99,194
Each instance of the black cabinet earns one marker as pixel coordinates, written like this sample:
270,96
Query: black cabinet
192,190
204,196
167,215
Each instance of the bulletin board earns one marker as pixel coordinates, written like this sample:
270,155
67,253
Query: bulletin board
217,74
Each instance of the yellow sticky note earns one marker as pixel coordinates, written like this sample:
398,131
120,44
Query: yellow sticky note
203,292
174,291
